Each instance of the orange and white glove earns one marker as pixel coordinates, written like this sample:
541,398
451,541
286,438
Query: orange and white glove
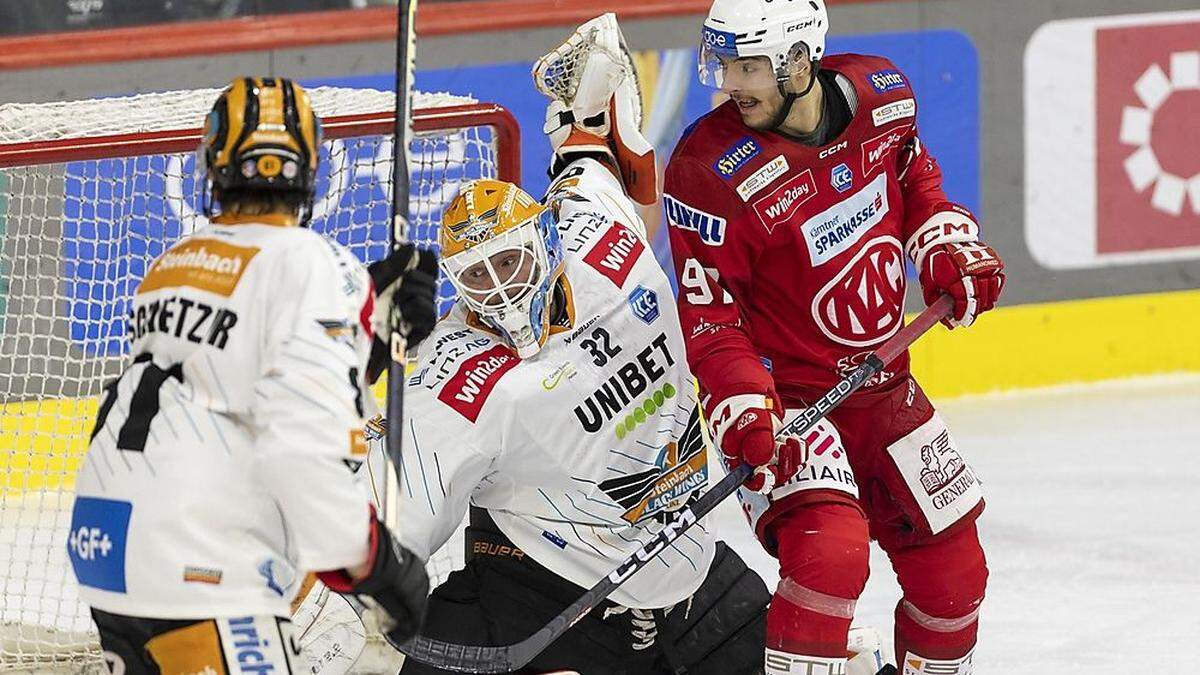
951,260
744,427
596,107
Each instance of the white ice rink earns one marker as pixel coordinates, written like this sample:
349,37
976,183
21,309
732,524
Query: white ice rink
1092,528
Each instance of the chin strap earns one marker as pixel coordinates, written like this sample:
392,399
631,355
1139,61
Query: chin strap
789,99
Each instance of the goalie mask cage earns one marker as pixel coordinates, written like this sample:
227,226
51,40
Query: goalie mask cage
90,193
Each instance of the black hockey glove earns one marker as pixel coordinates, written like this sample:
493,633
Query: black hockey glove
405,283
397,583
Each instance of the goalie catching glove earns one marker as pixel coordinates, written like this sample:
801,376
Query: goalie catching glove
744,427
596,108
395,581
952,261
406,293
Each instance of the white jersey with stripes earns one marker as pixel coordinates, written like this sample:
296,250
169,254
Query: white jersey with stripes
221,462
580,452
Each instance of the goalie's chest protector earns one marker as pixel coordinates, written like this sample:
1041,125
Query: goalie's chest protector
600,439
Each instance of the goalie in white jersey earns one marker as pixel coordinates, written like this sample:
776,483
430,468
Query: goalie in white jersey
220,464
554,401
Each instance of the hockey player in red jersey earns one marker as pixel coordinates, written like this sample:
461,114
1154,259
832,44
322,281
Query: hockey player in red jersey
792,207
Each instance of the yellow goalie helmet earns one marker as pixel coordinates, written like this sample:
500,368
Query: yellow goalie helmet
262,134
502,252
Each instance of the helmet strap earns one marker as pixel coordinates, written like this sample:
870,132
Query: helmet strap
789,99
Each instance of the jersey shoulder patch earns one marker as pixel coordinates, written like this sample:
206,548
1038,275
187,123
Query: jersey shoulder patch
461,366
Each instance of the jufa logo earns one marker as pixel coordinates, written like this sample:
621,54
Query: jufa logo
710,228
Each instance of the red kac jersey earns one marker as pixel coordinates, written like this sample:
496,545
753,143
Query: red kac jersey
790,257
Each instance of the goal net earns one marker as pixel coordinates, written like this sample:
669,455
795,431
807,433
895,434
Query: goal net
90,193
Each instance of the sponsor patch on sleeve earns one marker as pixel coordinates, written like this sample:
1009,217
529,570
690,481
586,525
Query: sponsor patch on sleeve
762,178
736,158
710,228
615,254
96,545
883,81
896,110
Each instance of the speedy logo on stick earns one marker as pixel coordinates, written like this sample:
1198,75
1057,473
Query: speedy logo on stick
615,254
467,391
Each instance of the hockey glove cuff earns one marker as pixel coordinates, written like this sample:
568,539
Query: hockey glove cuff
744,427
397,584
951,260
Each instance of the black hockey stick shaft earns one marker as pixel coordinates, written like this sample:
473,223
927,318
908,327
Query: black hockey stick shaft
477,659
398,345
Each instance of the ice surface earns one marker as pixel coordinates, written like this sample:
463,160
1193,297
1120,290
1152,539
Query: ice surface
1092,528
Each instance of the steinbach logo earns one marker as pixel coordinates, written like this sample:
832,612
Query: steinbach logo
865,302
680,471
876,149
737,157
644,303
842,225
468,389
710,228
616,253
782,205
884,81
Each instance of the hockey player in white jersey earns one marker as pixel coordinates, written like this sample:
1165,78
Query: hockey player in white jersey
220,464
555,404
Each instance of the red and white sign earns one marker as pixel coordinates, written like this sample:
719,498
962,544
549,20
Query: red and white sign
865,303
468,389
782,205
616,253
1112,143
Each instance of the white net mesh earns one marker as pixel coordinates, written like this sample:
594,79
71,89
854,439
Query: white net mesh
75,239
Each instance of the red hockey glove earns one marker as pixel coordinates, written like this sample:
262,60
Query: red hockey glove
744,427
971,273
951,260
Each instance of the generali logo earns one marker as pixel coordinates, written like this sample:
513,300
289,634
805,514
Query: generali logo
468,389
615,254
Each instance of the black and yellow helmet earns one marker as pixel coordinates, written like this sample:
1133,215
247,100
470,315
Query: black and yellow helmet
262,134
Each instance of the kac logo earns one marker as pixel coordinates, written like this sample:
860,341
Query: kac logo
841,178
644,303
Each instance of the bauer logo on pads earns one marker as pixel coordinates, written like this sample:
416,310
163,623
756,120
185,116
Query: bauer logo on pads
477,375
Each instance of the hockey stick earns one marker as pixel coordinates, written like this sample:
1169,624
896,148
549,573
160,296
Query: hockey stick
478,659
405,62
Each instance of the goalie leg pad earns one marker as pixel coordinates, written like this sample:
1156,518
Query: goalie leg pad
721,628
823,560
944,582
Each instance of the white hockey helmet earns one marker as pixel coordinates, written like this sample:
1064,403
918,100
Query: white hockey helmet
772,28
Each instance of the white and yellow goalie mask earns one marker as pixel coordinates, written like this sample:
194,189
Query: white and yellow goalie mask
502,252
